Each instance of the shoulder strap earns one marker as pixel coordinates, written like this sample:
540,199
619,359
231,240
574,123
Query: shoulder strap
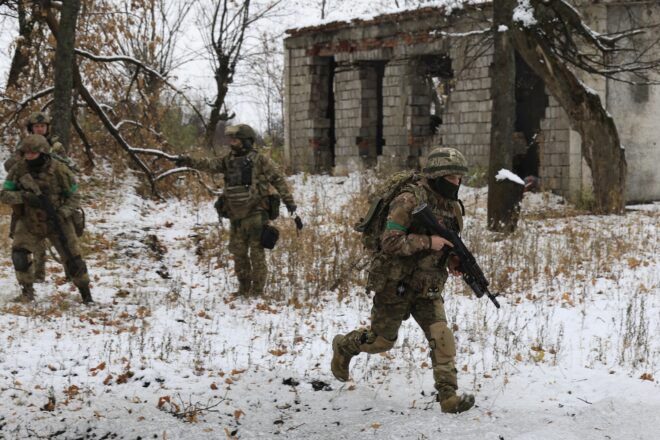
459,212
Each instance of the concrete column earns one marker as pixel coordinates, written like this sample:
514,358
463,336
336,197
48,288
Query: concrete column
356,116
406,115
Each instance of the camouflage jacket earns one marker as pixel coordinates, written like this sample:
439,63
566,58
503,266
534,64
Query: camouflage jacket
406,253
249,180
55,180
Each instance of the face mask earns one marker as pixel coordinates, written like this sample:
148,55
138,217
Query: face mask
241,149
38,162
445,188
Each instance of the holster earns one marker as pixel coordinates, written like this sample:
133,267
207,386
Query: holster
269,236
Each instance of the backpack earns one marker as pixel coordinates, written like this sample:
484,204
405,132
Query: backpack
372,225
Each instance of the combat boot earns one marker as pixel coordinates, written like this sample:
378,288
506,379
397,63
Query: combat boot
39,277
27,294
86,295
244,287
341,359
452,403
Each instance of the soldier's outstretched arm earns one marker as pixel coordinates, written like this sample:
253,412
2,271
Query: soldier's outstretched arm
215,164
275,176
395,239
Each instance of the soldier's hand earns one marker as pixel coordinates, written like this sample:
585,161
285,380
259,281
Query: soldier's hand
291,207
437,243
453,264
183,161
31,199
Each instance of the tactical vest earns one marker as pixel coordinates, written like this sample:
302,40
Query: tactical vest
52,182
245,185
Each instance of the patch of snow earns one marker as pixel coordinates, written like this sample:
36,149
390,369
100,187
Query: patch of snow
524,13
505,174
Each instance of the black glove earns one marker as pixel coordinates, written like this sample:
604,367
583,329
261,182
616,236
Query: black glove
183,161
31,199
291,207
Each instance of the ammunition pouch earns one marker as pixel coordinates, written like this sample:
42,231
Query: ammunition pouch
78,220
273,201
21,259
76,267
220,206
269,236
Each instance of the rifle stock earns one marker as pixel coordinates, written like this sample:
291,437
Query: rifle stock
468,266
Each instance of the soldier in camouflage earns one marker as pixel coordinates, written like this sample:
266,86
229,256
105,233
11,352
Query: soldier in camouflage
38,123
249,177
35,176
408,274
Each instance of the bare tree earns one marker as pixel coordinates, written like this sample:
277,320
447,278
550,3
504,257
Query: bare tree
150,32
26,23
99,79
556,41
64,61
265,75
503,197
225,25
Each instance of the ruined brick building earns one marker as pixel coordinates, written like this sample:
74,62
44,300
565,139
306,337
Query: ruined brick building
380,92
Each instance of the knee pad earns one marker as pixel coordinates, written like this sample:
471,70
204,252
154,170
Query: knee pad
21,259
76,266
442,343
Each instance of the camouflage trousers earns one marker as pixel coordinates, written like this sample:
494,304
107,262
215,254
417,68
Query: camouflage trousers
249,255
28,247
389,310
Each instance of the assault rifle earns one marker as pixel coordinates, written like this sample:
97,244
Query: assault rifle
468,266
75,263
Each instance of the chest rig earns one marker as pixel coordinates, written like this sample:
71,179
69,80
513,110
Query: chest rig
424,271
241,190
51,184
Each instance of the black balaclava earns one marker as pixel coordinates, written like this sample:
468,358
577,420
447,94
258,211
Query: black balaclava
444,187
37,163
244,148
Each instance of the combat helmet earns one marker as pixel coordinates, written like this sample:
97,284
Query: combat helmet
37,118
35,143
443,161
241,131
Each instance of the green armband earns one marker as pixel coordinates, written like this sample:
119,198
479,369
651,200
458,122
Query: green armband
9,185
390,225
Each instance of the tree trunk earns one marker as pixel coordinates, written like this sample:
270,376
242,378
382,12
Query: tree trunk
64,59
222,83
503,197
601,147
21,58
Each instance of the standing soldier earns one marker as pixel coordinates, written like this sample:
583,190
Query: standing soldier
408,273
44,196
38,123
248,203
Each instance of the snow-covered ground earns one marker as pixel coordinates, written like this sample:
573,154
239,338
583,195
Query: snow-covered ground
167,352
